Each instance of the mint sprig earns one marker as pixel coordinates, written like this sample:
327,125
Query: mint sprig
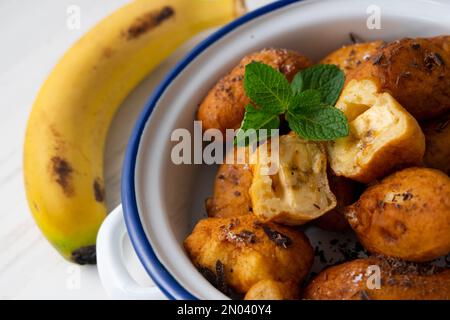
307,103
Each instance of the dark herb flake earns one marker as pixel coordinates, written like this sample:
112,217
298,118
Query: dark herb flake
442,125
364,295
355,38
247,236
438,59
377,59
407,196
208,274
280,239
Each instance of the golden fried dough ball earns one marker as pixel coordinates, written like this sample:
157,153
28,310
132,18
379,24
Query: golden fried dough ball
399,280
437,137
273,290
248,251
406,215
415,72
346,192
231,197
223,107
349,57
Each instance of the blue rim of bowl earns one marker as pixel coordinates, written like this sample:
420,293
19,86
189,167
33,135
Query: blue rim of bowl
159,274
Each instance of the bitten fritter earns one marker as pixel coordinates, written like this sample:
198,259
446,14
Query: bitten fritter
415,72
399,280
383,136
224,106
406,215
298,191
437,137
236,253
231,197
273,290
348,57
346,192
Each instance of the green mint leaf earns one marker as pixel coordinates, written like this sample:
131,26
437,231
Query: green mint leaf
307,99
297,83
267,87
319,123
328,79
255,119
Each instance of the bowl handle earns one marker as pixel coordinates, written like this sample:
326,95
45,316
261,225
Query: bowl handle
113,273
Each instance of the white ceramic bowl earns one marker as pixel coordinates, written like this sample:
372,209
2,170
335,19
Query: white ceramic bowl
162,201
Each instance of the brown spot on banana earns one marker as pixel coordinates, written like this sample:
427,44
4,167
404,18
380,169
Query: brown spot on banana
60,143
62,172
99,190
148,21
107,52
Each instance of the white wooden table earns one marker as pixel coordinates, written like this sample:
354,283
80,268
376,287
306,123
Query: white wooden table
34,35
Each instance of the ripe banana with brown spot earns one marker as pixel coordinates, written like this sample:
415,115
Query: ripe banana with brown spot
69,121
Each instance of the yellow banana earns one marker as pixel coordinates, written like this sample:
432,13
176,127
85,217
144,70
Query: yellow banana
67,128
